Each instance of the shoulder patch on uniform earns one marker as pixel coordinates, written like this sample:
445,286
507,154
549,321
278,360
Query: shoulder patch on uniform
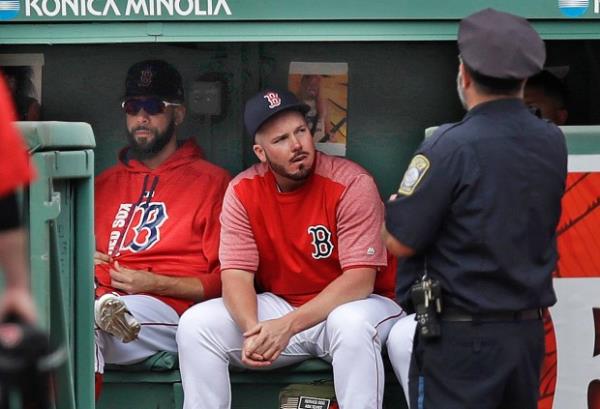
416,170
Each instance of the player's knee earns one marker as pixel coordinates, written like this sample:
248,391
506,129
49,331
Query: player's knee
350,325
400,340
198,321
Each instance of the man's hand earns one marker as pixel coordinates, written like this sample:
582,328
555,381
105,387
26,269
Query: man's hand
252,360
268,339
18,301
132,281
101,258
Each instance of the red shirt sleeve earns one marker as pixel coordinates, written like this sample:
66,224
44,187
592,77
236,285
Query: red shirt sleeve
360,217
15,169
238,247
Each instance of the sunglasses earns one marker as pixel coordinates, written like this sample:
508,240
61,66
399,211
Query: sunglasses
152,106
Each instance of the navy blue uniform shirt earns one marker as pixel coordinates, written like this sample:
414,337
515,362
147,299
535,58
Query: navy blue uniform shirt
480,202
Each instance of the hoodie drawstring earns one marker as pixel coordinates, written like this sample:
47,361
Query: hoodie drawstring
129,218
152,189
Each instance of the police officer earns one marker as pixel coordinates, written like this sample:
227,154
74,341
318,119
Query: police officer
479,204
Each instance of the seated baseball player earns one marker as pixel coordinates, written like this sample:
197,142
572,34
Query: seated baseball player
304,270
157,224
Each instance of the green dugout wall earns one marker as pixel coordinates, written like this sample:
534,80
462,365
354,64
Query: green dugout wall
59,210
401,59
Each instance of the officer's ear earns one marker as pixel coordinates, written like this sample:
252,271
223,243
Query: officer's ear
465,76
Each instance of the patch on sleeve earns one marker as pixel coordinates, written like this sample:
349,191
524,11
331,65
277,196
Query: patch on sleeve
413,175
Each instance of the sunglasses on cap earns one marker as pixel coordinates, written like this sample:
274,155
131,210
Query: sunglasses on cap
152,106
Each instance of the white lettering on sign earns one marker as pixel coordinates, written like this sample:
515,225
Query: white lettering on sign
110,4
198,9
48,11
307,402
29,4
181,11
91,9
73,5
167,4
223,3
137,6
147,8
597,6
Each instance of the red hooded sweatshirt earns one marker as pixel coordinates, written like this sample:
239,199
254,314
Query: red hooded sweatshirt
165,220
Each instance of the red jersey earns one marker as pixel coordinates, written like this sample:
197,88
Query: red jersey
165,220
15,169
298,242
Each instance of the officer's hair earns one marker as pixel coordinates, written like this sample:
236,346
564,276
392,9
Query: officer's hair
551,86
493,86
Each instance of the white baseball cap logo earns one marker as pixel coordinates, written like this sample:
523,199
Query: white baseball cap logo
273,98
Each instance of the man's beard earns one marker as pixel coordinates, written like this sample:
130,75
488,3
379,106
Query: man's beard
461,92
149,149
300,175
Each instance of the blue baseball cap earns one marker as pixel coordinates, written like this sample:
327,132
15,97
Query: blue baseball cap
266,104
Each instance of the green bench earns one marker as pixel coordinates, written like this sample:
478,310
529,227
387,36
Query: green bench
156,384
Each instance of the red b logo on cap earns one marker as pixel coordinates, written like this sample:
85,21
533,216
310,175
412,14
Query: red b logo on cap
273,98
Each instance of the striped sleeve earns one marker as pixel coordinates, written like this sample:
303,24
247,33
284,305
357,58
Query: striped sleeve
360,217
238,248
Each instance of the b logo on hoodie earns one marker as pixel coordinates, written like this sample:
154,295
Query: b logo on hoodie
145,224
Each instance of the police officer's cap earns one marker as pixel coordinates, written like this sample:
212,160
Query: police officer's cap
500,45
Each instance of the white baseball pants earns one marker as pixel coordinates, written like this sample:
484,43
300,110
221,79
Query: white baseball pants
158,327
350,339
399,348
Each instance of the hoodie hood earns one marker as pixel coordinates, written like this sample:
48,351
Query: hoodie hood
187,152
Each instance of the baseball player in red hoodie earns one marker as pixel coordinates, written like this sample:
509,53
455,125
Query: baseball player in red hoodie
157,224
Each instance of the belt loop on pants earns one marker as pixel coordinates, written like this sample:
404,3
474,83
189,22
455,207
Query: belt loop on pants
459,315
